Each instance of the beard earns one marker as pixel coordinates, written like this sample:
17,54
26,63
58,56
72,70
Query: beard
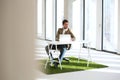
65,27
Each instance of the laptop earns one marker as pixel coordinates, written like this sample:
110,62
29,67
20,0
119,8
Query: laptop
65,38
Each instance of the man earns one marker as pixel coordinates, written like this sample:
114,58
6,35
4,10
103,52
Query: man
64,30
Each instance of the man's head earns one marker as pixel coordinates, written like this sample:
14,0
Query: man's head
65,24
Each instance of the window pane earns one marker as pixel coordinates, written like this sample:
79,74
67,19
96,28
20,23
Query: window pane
60,13
49,19
76,21
39,19
77,11
110,25
90,21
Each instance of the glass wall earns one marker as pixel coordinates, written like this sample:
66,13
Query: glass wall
90,21
110,25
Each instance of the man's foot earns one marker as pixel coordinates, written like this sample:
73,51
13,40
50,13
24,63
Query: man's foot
55,59
66,59
55,64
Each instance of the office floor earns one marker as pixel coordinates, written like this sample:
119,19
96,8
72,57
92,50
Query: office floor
110,73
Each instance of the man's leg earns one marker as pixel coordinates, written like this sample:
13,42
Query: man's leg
62,52
62,49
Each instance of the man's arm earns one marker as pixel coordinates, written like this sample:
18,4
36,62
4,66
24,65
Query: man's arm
72,35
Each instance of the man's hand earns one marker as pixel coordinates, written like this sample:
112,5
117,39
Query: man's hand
73,39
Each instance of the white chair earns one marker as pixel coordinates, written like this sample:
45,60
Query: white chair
56,52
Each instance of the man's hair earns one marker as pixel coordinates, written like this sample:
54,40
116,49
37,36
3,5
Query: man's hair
64,21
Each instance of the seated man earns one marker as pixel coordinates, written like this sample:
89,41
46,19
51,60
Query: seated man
62,48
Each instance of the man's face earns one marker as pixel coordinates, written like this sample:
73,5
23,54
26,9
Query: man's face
65,25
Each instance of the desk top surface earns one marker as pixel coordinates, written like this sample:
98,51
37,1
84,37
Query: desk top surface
69,42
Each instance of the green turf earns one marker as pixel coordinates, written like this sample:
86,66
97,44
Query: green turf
72,66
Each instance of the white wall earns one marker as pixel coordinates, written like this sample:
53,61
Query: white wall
17,29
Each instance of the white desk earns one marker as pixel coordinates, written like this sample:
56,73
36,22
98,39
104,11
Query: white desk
71,42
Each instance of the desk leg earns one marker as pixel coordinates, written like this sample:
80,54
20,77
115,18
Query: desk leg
79,53
89,56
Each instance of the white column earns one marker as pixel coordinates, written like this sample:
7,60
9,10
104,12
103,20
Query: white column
68,11
43,17
81,20
119,26
99,24
17,33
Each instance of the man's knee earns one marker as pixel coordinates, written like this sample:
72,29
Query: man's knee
63,50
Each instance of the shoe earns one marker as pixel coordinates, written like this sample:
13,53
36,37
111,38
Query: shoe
66,59
55,64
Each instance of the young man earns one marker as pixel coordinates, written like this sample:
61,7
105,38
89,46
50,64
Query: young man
64,30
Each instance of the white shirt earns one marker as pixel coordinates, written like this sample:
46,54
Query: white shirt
64,30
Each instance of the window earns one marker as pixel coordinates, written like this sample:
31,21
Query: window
110,26
60,13
49,19
77,8
76,18
90,21
39,19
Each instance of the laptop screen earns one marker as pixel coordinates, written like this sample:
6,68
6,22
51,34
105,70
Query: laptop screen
65,37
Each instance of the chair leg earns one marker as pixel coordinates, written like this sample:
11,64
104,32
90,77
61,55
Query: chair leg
89,59
49,60
78,57
79,54
46,63
88,62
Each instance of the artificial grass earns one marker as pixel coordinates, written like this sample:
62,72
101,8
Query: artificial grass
72,66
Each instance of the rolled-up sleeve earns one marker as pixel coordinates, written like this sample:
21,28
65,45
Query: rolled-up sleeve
72,35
